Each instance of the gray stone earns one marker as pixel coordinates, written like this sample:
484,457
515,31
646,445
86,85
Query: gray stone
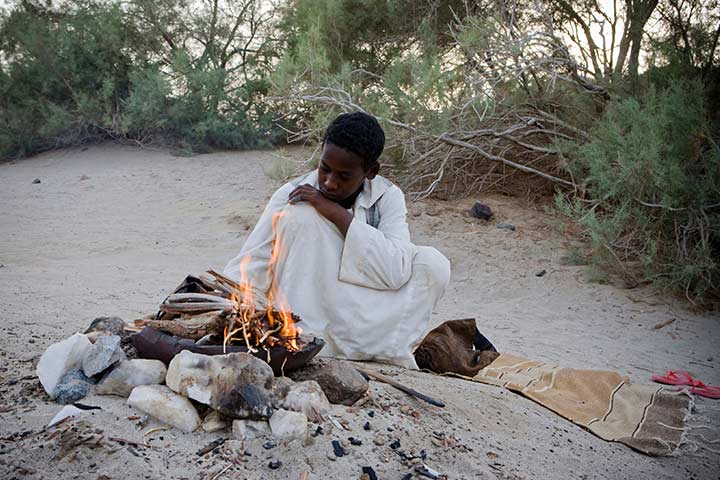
130,374
165,405
505,226
114,325
308,398
214,421
105,352
246,430
59,358
281,387
287,426
93,336
237,385
340,381
73,386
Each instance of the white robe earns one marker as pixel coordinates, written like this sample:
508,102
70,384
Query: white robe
370,295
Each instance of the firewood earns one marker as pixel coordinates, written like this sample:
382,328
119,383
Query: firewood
196,307
194,327
179,297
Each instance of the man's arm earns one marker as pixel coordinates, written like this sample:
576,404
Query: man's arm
380,258
327,208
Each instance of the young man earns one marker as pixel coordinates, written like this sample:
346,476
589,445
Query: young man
346,265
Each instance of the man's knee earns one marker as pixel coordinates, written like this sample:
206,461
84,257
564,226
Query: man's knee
294,218
433,265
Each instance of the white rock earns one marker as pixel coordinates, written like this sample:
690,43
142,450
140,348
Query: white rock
59,358
286,425
214,421
306,397
237,384
104,352
250,429
167,406
67,411
130,374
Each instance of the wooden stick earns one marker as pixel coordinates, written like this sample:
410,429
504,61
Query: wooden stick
130,442
221,472
177,297
227,281
384,379
195,307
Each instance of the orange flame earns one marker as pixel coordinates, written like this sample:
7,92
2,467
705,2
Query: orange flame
276,301
278,311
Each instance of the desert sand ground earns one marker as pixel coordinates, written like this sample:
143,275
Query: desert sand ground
110,230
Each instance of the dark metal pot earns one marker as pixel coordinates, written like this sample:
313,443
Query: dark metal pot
151,343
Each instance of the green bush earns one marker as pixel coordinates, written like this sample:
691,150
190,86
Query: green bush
652,172
88,70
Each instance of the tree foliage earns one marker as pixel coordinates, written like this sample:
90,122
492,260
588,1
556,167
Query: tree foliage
185,73
613,104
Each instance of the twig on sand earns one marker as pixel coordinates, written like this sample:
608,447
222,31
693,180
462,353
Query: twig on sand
382,378
130,442
221,472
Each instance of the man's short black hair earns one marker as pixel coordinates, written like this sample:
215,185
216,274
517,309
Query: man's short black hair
359,133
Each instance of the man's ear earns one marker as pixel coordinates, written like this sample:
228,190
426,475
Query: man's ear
372,171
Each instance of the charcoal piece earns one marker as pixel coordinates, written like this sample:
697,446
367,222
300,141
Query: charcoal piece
481,211
370,473
256,400
355,441
366,426
211,446
395,445
505,226
338,449
274,464
318,431
269,445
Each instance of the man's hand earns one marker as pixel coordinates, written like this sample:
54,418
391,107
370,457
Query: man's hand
327,208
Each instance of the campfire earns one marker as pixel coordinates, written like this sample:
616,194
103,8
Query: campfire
204,308
213,315
214,310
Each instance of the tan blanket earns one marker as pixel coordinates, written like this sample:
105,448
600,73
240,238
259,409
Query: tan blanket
647,418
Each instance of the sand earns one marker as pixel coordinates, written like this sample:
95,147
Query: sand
110,230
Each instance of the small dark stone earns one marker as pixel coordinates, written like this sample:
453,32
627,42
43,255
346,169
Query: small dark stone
371,413
481,211
506,226
318,431
338,449
113,325
541,273
370,473
37,180
73,386
407,476
274,464
366,426
355,441
269,445
395,445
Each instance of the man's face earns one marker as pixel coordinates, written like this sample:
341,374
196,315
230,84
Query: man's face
340,173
